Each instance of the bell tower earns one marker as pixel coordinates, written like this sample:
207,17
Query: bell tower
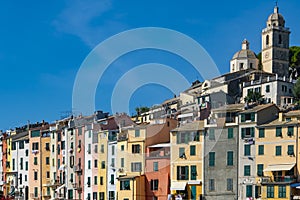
275,45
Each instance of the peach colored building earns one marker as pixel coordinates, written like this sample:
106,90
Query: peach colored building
157,171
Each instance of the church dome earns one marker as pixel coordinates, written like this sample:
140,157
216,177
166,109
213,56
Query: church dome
276,19
245,52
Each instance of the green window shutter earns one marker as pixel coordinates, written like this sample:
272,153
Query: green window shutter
290,150
278,132
230,133
260,168
230,158
248,190
193,172
278,151
261,149
211,135
247,150
242,117
186,138
178,137
178,172
247,170
252,117
186,173
243,133
192,150
290,131
252,132
261,133
211,158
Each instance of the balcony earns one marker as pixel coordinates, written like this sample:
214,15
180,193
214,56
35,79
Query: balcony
278,179
159,154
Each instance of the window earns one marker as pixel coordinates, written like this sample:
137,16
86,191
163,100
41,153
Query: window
35,146
95,195
182,172
270,191
136,167
193,172
248,117
35,175
102,148
229,158
88,181
47,174
230,133
241,65
211,185
154,184
267,88
247,170
122,147
35,133
261,132
290,150
111,195
135,148
35,191
122,162
113,150
124,185
247,132
260,168
290,131
35,160
103,165
155,166
21,144
278,131
95,180
229,184
278,150
181,152
192,150
112,179
248,190
95,163
281,191
279,39
261,149
47,161
211,159
247,150
101,180
89,164
21,163
186,137
211,134
26,152
63,145
112,162
89,148
89,196
26,165
13,164
267,40
101,195
137,133
47,146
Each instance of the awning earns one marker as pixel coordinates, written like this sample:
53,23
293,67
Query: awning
194,182
295,185
60,187
279,167
178,185
185,115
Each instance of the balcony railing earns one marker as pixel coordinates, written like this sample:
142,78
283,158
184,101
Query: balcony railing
278,179
158,154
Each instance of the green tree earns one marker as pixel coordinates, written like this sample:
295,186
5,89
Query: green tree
296,89
254,97
141,109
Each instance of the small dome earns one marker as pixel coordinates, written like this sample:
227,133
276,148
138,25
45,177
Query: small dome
276,19
245,52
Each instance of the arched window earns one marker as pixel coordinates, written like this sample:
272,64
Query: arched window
280,39
267,40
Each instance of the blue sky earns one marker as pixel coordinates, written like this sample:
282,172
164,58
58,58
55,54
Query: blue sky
43,44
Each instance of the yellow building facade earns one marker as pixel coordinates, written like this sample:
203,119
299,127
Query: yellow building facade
187,160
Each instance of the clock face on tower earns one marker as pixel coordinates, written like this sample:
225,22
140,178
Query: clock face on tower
267,55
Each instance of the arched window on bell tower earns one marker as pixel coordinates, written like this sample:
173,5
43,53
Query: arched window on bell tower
267,40
279,39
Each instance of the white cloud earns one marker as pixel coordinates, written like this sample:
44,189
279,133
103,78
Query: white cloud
82,18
